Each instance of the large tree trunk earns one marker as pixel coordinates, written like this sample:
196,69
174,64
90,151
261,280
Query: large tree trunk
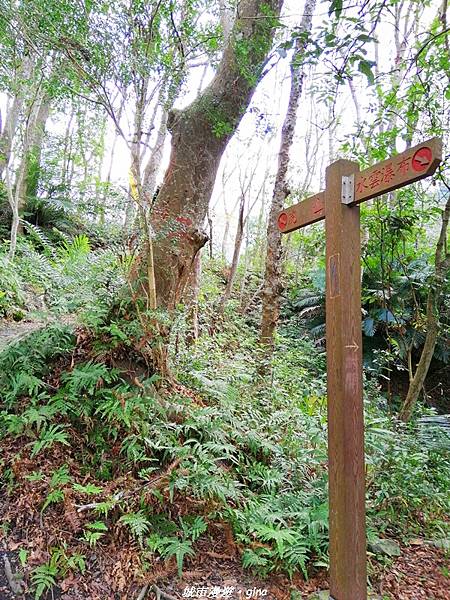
442,263
272,287
200,134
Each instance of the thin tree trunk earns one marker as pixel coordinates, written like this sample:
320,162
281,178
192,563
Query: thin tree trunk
442,263
236,252
14,204
194,291
246,190
7,135
272,287
245,266
28,184
225,178
166,100
135,196
261,229
67,151
155,160
111,162
13,113
226,231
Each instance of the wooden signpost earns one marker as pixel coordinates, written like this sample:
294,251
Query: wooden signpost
346,187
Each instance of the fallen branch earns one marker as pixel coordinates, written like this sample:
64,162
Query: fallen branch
16,586
94,505
160,594
154,483
143,592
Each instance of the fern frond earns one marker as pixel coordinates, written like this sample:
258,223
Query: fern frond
53,434
137,522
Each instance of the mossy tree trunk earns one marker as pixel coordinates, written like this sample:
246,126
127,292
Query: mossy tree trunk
200,134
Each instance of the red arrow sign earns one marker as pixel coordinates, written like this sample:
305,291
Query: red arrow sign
421,159
282,221
304,213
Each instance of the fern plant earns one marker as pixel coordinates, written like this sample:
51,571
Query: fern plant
173,546
65,561
58,480
179,549
48,436
85,378
138,524
43,578
78,247
94,532
38,235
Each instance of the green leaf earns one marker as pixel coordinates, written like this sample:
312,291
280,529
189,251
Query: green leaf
23,556
97,526
179,549
89,489
365,67
54,497
363,37
137,522
335,7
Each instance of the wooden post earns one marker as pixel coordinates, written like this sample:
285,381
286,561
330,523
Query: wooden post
338,205
348,578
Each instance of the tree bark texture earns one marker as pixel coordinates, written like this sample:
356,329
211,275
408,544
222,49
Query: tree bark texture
272,287
200,134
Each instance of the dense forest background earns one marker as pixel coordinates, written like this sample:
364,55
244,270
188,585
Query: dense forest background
162,348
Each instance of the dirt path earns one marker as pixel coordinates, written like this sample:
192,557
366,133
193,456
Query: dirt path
12,331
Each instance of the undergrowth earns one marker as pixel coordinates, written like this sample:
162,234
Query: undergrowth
60,277
98,454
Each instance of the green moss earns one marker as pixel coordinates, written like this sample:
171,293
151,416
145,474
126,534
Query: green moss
250,53
216,115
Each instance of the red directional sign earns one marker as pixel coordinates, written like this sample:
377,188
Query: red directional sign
422,159
304,213
395,172
283,220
